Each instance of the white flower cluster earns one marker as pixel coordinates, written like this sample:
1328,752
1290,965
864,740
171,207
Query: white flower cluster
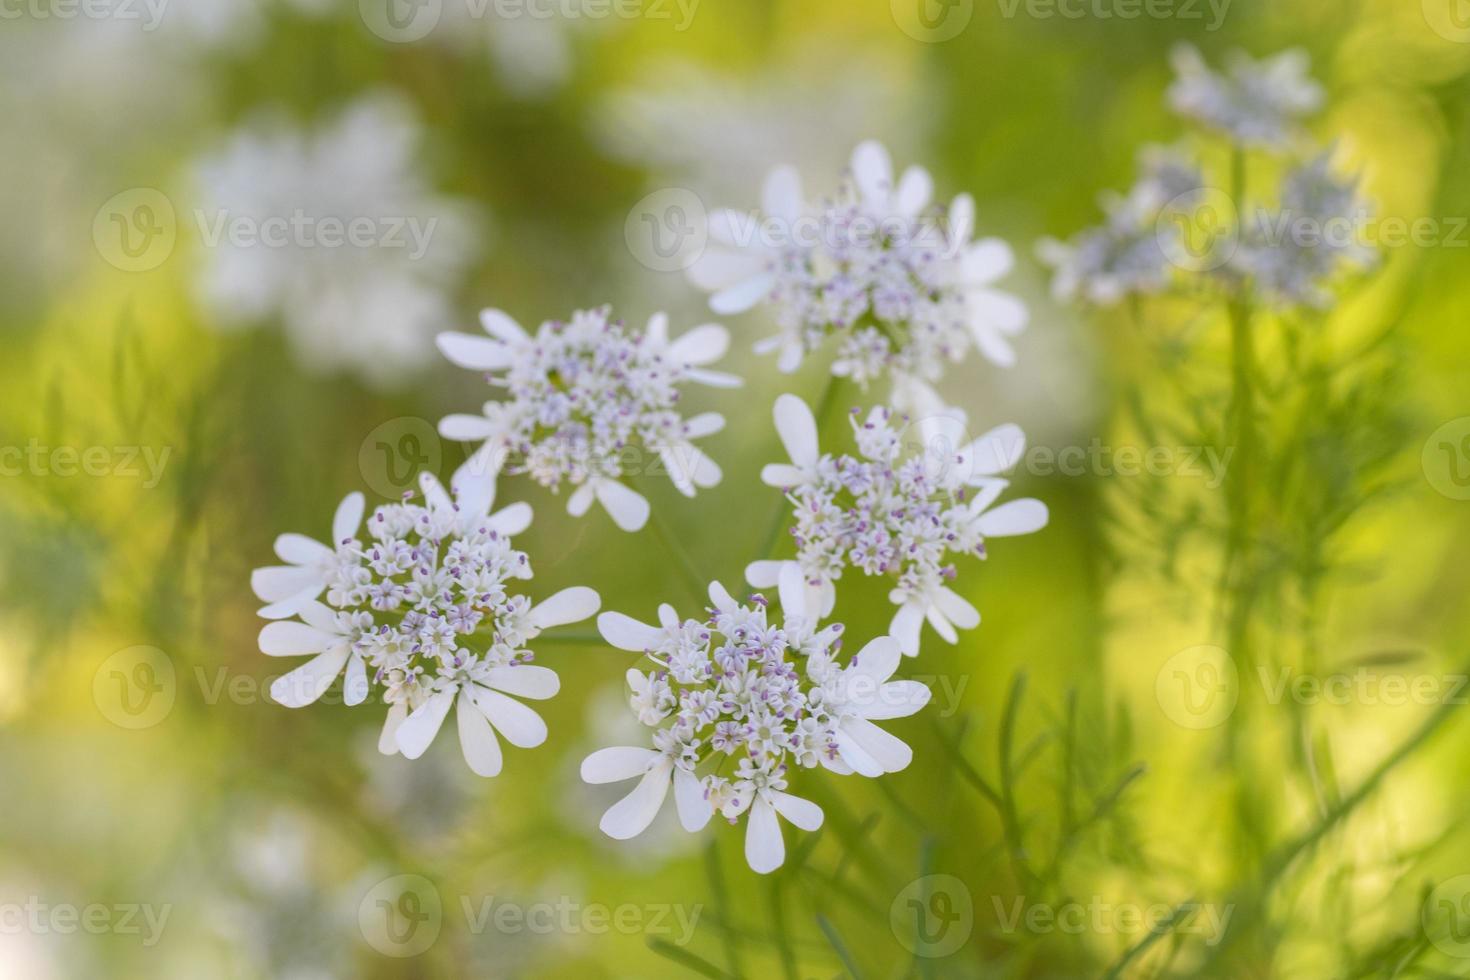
892,511
418,608
588,398
736,702
1173,229
899,282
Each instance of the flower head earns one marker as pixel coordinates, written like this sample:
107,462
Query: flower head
894,512
737,701
419,609
897,281
587,398
1255,103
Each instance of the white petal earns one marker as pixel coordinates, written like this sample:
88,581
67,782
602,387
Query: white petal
292,639
856,757
657,330
798,430
319,616
500,325
876,661
581,499
872,171
719,268
510,521
995,348
674,466
355,684
791,356
474,353
388,740
1013,517
617,764
627,633
628,508
720,598
567,606
783,476
466,428
521,726
896,699
694,809
764,574
765,851
791,586
986,261
716,379
957,609
702,345
742,295
631,815
941,625
781,195
736,229
961,219
703,424
995,452
298,549
907,623
803,814
310,681
915,188
477,739
348,517
524,680
889,751
993,309
417,732
277,582
483,463
434,493
474,497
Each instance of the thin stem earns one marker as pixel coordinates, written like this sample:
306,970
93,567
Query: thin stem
696,581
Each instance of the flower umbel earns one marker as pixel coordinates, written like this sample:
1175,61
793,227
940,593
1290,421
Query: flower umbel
897,281
1255,103
418,608
588,399
891,511
734,708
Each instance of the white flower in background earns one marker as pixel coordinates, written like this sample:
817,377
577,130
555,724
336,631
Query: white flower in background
334,232
899,283
894,512
587,398
420,612
309,563
1293,254
1134,251
732,710
1255,103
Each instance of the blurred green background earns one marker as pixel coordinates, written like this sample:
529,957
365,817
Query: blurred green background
228,395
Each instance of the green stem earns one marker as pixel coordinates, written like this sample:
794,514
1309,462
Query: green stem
697,582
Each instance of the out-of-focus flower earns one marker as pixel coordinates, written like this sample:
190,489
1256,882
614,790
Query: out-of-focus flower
900,284
335,232
421,611
587,396
1255,103
890,512
730,688
1293,254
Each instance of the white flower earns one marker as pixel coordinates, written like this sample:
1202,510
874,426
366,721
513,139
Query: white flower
335,232
1256,103
899,282
891,512
587,399
421,612
309,563
727,691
